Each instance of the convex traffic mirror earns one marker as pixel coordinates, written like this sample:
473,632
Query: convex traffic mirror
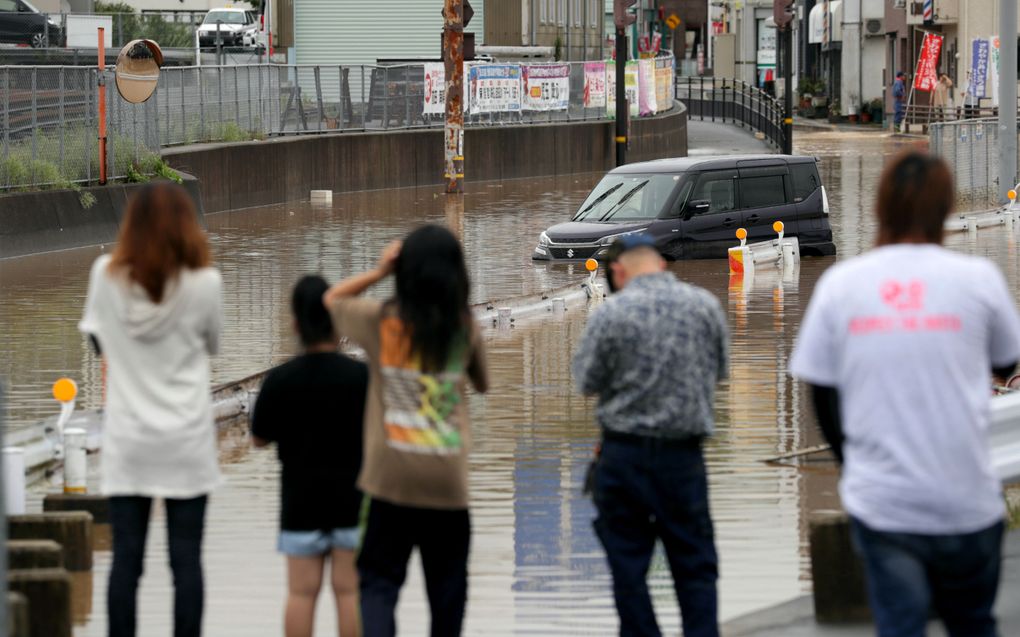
137,70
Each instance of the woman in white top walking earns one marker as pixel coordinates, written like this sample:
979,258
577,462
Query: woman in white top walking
154,313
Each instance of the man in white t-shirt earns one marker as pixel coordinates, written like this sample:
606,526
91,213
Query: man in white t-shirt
900,345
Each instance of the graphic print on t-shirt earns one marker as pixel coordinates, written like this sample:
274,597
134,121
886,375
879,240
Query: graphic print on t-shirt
906,298
419,408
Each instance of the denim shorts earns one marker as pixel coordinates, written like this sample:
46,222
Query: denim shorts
309,543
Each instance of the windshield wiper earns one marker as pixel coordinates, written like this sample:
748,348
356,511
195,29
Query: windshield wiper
624,199
597,201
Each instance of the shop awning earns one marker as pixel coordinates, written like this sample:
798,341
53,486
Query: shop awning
816,22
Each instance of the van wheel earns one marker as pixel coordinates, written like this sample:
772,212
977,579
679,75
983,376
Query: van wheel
38,41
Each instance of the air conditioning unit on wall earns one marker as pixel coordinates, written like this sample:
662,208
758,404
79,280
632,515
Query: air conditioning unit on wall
874,27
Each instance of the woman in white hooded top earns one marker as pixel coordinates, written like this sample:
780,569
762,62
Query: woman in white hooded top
154,313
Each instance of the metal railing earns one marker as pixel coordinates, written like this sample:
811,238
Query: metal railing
48,128
971,147
728,100
49,115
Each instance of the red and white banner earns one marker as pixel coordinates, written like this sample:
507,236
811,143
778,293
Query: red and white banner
926,75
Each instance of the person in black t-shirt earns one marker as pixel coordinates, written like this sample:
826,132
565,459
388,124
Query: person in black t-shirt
312,408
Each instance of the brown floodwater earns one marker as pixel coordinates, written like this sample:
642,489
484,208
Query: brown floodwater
536,567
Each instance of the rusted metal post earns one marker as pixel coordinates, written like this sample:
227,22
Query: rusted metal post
102,106
453,57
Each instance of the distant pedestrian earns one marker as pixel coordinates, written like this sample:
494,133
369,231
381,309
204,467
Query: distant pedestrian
653,355
899,92
154,312
900,345
312,407
423,347
971,102
940,97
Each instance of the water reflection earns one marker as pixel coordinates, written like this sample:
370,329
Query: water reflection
536,567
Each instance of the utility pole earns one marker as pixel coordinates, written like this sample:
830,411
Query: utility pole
1007,97
622,19
453,58
783,12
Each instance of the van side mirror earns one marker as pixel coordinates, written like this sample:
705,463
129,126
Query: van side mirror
698,207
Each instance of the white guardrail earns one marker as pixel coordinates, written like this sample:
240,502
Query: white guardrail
971,222
781,253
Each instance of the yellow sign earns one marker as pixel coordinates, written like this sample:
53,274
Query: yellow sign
673,21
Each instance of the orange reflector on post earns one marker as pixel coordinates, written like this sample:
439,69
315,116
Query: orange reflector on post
591,265
65,390
1012,195
778,226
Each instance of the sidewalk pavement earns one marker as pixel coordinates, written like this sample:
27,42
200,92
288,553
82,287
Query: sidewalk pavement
716,138
796,618
804,123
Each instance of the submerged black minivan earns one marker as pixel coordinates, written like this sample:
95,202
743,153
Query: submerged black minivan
693,206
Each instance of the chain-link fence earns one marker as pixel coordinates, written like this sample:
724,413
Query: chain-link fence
971,147
49,115
49,120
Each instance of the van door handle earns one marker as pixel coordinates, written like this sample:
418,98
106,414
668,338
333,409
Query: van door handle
728,222
753,218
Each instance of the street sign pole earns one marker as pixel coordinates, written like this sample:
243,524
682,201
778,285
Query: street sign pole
453,58
786,35
621,96
1007,98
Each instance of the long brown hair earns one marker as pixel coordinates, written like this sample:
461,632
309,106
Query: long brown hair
160,235
915,195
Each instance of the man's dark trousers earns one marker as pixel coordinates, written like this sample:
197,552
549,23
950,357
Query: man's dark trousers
648,488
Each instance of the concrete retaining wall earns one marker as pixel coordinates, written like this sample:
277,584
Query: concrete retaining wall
44,221
247,174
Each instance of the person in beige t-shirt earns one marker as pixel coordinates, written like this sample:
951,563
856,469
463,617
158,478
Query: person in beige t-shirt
423,348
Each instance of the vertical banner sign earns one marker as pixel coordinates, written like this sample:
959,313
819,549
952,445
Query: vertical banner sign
978,67
646,83
546,87
632,87
495,88
995,69
663,81
435,89
594,84
925,77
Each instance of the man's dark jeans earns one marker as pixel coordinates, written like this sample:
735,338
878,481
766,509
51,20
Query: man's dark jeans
185,519
909,574
443,539
646,489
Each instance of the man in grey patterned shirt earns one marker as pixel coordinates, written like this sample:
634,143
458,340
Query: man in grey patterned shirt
653,354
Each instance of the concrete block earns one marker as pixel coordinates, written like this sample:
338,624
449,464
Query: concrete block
26,554
17,615
839,586
48,591
97,505
71,529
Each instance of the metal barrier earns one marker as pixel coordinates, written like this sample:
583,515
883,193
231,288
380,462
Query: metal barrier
48,128
49,116
736,101
971,147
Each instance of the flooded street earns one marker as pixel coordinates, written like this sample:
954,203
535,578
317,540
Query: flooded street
536,566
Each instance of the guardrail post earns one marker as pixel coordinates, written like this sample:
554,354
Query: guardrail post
318,96
35,122
60,108
7,123
340,95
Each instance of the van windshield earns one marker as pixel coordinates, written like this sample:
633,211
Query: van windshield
627,198
226,17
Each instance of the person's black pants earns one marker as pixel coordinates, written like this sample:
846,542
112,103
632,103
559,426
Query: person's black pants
185,519
443,538
648,489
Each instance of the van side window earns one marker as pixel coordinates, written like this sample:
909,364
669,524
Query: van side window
805,180
761,192
717,190
8,5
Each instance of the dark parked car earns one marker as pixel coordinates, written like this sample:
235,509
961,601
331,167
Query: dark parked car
693,206
21,23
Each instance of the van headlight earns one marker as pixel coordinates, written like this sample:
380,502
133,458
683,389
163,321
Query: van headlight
543,239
